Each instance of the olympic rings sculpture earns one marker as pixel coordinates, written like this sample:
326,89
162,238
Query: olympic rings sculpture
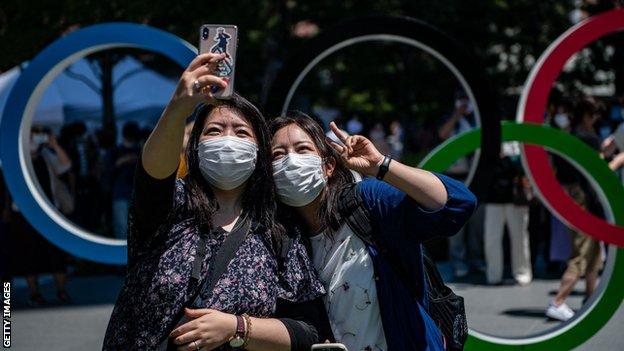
41,214
596,312
531,109
18,114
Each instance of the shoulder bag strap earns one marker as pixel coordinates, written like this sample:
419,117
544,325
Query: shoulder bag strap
217,266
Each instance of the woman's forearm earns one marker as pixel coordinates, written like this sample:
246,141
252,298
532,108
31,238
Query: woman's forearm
161,152
268,334
422,186
617,162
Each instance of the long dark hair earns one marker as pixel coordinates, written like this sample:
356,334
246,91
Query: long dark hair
328,212
258,199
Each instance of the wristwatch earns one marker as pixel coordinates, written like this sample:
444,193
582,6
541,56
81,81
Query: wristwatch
383,168
238,339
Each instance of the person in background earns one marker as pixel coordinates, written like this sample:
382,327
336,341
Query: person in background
84,155
613,147
105,170
36,254
586,257
507,203
125,160
617,162
395,140
461,120
354,126
377,136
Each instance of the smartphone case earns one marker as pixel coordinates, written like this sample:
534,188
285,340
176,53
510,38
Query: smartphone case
221,38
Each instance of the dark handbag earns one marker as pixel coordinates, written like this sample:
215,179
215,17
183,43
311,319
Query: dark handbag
217,266
445,307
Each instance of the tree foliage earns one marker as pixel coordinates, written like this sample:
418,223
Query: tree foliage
507,35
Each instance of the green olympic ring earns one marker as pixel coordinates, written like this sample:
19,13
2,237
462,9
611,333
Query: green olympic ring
601,307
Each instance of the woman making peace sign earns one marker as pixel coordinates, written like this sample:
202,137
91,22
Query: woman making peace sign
369,306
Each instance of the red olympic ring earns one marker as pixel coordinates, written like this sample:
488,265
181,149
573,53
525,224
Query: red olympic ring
532,107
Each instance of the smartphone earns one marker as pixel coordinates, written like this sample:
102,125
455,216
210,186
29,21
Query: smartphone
221,38
329,347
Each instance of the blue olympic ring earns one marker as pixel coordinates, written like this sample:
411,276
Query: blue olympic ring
19,110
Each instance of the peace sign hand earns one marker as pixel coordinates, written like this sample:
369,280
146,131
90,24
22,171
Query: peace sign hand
358,152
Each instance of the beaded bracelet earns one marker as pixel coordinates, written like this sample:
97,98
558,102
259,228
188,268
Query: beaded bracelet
247,328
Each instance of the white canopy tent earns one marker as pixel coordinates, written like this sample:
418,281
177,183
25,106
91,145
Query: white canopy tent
139,94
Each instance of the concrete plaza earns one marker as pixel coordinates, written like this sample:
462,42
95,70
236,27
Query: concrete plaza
506,310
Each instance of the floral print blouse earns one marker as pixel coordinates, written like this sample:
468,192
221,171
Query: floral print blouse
162,240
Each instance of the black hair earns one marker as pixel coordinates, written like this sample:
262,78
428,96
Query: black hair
258,199
583,107
328,212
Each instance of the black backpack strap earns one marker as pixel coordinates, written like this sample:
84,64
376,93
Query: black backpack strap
446,308
220,261
352,209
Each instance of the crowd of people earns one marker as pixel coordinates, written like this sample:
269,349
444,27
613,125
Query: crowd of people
88,177
535,236
511,203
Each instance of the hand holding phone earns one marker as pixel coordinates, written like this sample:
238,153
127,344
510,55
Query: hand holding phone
218,39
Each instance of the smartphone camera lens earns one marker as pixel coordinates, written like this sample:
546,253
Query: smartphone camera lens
205,33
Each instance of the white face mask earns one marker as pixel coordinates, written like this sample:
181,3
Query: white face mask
227,162
299,178
562,121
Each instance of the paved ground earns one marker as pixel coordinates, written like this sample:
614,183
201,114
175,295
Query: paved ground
501,310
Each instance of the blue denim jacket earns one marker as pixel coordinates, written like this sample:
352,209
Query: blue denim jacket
401,225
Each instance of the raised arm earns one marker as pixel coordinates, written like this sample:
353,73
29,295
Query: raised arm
410,200
360,154
161,152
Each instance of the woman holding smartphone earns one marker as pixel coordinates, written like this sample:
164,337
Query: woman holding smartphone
369,306
179,228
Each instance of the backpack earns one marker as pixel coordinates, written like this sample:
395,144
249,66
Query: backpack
445,307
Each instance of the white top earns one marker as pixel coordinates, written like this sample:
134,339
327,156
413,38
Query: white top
346,270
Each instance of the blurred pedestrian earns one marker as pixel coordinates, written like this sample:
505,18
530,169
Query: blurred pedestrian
586,258
125,160
33,255
508,204
354,125
461,120
377,136
395,140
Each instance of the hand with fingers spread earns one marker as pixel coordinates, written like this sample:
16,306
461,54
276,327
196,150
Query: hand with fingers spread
196,82
357,151
208,330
